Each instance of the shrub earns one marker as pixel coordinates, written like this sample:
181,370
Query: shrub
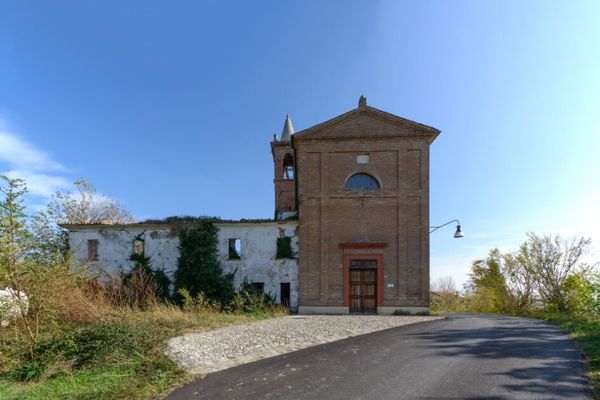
79,348
198,268
198,304
91,343
582,293
284,247
134,290
157,277
248,299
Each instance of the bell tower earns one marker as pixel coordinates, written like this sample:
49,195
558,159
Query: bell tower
284,172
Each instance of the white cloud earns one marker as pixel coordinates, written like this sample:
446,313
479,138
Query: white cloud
19,159
42,185
15,152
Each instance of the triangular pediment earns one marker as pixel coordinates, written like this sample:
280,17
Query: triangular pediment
367,122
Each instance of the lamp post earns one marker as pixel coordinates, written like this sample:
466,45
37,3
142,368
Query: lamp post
457,235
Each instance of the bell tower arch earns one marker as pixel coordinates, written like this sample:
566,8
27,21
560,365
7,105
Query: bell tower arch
284,180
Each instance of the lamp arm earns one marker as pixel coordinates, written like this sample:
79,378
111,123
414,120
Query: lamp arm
435,228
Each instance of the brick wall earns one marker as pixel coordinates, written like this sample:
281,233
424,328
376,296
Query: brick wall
285,189
397,214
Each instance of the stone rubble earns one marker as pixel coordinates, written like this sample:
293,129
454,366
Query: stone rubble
202,353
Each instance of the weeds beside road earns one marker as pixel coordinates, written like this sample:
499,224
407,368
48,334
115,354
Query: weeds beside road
585,330
118,358
71,331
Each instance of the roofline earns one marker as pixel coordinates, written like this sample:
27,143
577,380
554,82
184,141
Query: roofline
113,226
434,132
273,222
169,225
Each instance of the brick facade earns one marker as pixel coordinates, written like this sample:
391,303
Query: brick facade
390,223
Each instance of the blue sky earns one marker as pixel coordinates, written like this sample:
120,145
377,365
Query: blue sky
170,107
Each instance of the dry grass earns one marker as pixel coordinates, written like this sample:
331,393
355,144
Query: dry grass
86,340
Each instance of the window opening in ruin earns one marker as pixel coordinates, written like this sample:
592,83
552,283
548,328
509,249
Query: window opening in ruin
284,294
138,247
258,287
92,250
284,247
235,249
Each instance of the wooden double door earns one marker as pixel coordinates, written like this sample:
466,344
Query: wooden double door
363,286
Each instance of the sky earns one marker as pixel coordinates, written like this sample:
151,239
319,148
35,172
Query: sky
169,107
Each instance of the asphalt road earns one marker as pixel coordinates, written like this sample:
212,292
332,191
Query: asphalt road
461,357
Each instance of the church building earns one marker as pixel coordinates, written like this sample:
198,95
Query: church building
352,201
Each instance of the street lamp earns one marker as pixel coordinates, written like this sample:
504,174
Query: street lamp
457,235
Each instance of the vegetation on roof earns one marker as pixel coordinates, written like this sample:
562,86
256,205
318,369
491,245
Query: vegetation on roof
184,219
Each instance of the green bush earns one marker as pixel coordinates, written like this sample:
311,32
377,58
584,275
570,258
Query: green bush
198,304
28,371
79,348
582,293
198,268
248,300
92,343
284,247
46,352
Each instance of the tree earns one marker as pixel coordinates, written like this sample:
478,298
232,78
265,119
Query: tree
487,286
548,261
51,242
15,243
582,292
444,284
83,207
87,207
15,238
445,297
519,284
198,268
546,272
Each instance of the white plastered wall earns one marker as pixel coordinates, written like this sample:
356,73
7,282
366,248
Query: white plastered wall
258,262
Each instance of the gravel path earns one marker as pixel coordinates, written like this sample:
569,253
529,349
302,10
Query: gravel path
239,344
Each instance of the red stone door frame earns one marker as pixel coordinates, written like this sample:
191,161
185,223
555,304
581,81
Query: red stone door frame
363,256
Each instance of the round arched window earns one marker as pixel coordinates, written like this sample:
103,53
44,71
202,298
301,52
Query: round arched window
362,181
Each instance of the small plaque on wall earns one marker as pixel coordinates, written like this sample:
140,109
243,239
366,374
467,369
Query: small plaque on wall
362,159
390,285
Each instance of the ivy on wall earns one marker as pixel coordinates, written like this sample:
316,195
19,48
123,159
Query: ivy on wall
142,268
198,267
284,247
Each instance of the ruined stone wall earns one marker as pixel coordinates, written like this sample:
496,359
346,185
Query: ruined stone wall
258,262
115,246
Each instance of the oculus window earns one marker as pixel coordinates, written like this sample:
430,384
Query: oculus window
362,181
